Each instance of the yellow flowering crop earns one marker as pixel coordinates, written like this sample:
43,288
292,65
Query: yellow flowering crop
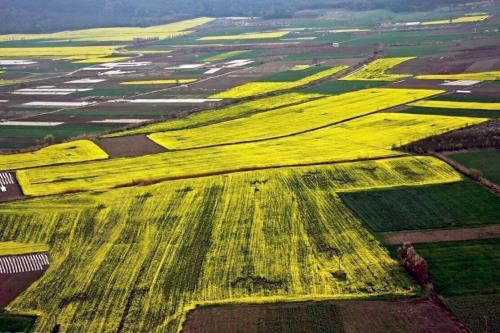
457,105
15,249
260,88
257,35
292,119
222,114
462,19
70,152
371,136
117,34
481,76
377,70
141,257
166,81
72,52
100,60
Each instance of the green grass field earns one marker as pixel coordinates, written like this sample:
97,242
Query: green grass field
459,268
488,162
452,112
464,204
15,323
480,313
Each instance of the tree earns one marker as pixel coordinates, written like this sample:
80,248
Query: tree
414,263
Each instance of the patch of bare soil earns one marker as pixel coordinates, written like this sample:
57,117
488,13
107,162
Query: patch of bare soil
9,190
419,316
127,146
434,236
12,285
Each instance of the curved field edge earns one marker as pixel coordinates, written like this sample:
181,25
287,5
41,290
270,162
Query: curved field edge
365,138
70,152
141,257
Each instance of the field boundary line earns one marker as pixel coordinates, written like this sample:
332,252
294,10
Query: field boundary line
467,172
441,235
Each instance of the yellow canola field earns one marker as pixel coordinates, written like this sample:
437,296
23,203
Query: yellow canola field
166,81
377,70
141,257
292,119
70,52
457,105
16,249
117,34
372,136
70,152
101,60
5,82
259,88
257,35
462,19
480,76
223,114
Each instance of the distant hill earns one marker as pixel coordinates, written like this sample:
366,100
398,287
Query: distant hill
46,16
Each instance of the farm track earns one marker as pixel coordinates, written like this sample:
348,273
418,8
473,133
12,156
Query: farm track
434,236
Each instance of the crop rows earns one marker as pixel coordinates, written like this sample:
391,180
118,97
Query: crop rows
372,136
462,19
457,105
136,259
481,76
257,35
14,249
116,34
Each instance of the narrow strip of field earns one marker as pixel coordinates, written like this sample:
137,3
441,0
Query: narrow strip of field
416,237
223,114
462,204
